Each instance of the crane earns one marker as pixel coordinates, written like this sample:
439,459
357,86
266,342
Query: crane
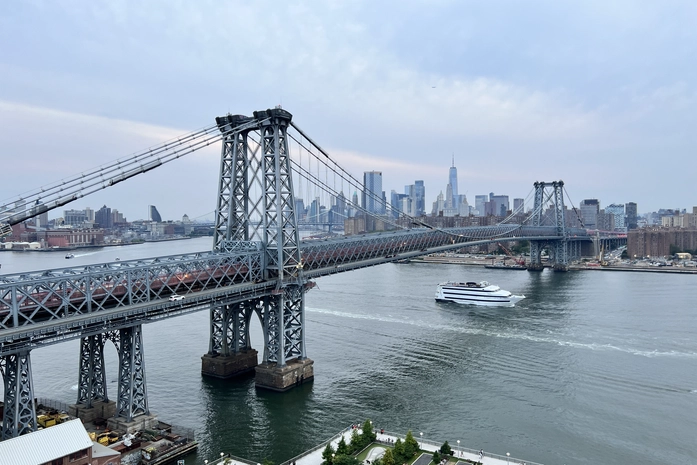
518,261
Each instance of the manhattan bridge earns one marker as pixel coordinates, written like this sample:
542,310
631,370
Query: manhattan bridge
258,266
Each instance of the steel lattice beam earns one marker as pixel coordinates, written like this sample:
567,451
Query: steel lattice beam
20,410
132,397
92,376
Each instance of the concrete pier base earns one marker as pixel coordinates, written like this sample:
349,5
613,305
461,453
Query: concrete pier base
224,367
294,373
98,410
561,268
535,267
138,423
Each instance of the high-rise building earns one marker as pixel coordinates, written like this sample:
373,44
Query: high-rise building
589,212
399,203
501,204
519,205
453,199
74,217
372,192
103,218
420,193
631,211
153,214
617,210
479,204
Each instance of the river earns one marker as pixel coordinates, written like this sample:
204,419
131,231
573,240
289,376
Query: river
592,367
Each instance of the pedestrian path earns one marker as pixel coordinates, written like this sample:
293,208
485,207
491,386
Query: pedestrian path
314,455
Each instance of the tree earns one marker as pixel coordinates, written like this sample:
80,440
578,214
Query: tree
436,457
388,458
342,448
399,456
346,460
411,446
327,455
368,434
355,444
445,449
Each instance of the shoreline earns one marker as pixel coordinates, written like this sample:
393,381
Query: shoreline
88,247
487,262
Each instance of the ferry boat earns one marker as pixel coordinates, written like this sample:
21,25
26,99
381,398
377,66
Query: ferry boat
481,293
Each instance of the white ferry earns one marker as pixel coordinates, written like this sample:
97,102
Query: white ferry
481,293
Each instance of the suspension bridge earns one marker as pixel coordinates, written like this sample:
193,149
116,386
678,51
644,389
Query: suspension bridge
258,265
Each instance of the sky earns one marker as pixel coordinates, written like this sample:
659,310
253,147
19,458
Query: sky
602,95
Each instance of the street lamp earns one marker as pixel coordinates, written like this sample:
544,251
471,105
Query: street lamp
508,454
458,447
422,439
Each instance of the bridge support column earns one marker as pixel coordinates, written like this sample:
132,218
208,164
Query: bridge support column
92,401
285,364
132,411
230,353
20,409
535,256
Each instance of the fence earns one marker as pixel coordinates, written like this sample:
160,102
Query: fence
434,446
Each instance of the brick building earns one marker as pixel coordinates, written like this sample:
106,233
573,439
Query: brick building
657,242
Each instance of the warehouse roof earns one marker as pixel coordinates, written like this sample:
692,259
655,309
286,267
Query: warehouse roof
45,445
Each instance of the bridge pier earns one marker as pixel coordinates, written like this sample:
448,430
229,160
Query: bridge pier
230,353
20,410
285,364
92,400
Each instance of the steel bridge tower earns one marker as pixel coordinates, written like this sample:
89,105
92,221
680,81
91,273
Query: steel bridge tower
556,215
256,210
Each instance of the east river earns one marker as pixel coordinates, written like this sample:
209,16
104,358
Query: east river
592,367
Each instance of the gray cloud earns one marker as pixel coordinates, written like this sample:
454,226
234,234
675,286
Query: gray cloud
600,95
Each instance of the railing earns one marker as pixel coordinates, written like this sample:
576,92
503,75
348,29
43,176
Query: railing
322,445
53,404
436,446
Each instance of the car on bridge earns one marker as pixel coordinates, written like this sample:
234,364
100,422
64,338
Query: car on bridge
176,297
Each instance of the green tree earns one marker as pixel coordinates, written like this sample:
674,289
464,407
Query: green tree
368,434
327,455
436,457
346,460
342,448
445,449
411,446
268,462
388,458
355,444
399,456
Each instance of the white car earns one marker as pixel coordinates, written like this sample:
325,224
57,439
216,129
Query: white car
176,297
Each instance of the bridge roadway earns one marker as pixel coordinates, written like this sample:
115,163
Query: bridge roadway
46,307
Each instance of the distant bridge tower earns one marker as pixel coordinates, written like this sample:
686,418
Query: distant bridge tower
256,209
559,247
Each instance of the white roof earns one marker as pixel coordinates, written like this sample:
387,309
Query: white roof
45,445
99,450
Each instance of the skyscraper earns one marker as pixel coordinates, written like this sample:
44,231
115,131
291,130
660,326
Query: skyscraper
153,214
617,210
480,204
372,192
452,179
420,191
631,215
589,212
519,205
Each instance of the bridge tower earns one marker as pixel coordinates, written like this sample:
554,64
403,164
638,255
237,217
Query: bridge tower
256,210
559,247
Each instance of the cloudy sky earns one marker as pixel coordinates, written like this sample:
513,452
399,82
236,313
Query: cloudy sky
600,94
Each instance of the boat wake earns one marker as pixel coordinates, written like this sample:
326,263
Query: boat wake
509,335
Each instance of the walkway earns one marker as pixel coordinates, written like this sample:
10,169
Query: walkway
314,455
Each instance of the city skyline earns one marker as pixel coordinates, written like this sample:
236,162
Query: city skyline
600,107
